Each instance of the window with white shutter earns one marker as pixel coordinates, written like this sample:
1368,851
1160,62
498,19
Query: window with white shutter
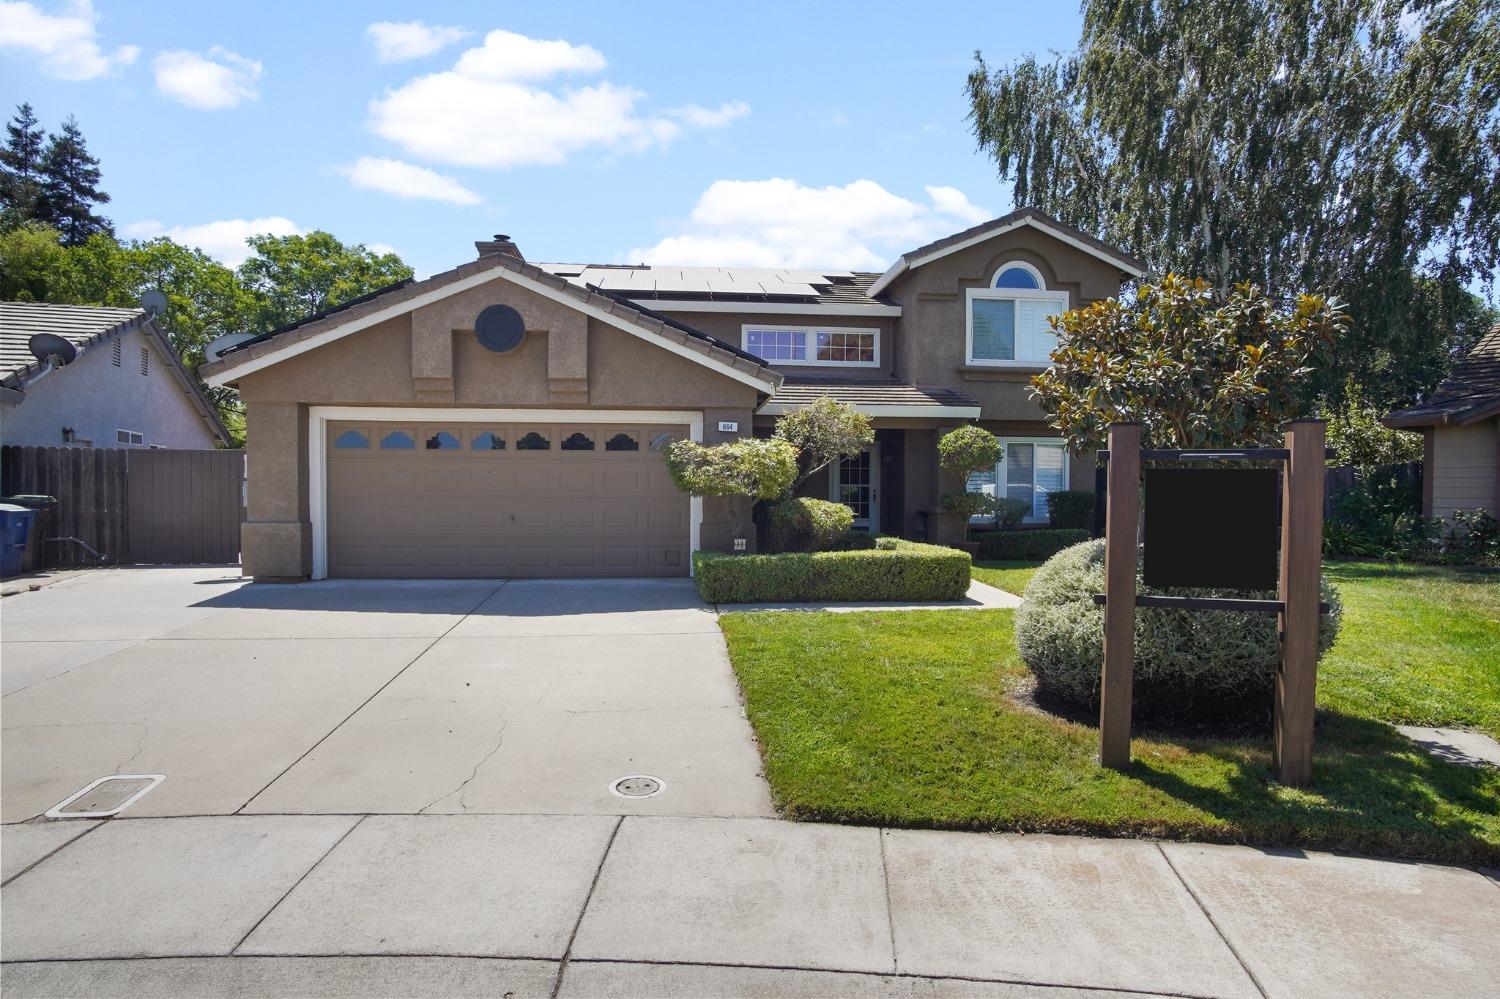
1007,321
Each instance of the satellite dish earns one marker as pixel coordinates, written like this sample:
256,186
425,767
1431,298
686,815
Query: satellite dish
500,328
154,302
49,348
217,347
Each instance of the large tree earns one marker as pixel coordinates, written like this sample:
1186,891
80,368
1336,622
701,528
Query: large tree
293,277
70,187
21,168
1350,147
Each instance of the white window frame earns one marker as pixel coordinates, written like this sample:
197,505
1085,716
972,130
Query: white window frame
130,437
811,346
1001,470
991,293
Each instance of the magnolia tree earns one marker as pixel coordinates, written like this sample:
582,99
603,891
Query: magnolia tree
1196,368
823,432
963,452
743,471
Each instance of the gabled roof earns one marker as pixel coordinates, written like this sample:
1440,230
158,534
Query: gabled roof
1469,394
938,249
876,397
315,331
86,326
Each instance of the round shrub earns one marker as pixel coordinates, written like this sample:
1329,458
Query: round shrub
1187,663
800,524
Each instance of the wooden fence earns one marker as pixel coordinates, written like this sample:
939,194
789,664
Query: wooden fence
132,506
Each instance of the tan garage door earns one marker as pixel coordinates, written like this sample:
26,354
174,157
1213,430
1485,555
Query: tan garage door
450,500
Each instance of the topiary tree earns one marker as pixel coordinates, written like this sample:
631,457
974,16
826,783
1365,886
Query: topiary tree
801,524
1188,664
823,432
1198,369
964,451
743,471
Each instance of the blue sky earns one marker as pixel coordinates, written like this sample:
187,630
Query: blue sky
698,133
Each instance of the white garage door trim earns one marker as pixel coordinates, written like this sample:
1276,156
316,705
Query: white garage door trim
318,418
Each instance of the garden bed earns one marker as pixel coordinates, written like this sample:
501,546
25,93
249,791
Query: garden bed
892,570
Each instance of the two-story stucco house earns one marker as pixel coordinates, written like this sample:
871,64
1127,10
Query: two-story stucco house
126,387
506,418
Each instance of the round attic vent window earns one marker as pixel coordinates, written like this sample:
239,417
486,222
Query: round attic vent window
500,328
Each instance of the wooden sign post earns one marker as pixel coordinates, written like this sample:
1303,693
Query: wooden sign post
1191,509
1301,568
1121,522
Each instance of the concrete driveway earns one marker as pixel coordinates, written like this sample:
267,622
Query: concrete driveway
369,696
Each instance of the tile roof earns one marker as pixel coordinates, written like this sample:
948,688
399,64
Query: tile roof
799,391
1471,392
78,324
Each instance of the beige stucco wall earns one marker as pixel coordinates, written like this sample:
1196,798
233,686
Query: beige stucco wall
1464,467
930,338
444,365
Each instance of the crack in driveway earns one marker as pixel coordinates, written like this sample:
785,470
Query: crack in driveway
463,785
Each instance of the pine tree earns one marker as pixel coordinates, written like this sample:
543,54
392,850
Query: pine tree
70,187
20,168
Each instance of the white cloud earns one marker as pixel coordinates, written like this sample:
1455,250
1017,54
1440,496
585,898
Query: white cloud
66,42
490,109
701,117
781,223
406,180
398,41
208,81
223,240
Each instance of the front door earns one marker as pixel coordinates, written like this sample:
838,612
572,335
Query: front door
855,482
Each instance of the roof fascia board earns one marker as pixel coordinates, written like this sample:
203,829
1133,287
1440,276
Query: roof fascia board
1093,251
936,412
768,308
338,332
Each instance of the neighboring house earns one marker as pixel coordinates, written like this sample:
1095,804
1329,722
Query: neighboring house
400,435
126,388
1460,427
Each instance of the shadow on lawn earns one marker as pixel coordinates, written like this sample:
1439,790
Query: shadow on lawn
1373,791
1362,569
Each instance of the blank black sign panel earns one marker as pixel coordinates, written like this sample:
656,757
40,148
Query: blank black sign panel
1212,527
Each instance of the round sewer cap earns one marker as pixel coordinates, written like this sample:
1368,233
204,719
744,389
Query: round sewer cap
638,786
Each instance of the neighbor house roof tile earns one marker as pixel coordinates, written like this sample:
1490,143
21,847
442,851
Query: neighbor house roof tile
1471,392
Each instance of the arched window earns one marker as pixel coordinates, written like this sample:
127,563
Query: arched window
622,441
533,441
488,441
578,441
443,441
398,440
1018,275
351,438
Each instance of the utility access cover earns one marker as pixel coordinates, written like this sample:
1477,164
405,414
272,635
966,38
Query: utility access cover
638,786
105,797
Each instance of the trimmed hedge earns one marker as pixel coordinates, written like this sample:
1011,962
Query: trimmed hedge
1027,546
802,524
1070,508
892,570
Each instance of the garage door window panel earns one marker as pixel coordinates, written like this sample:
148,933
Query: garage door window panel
398,440
534,440
352,439
443,440
488,440
578,440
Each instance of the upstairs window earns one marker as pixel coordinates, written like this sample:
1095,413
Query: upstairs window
1006,322
833,345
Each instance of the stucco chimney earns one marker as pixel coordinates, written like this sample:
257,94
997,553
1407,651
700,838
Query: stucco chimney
500,244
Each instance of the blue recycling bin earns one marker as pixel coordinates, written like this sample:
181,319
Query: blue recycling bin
15,527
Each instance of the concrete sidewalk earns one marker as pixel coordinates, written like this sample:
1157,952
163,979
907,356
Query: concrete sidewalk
595,905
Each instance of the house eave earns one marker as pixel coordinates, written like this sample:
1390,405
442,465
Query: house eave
897,412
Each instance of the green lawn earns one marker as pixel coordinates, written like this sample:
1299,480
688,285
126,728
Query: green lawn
906,718
1420,645
1009,576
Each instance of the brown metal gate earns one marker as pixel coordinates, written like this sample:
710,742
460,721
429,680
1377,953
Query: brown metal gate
185,507
149,507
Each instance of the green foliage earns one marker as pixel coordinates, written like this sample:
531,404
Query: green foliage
1009,512
1071,508
1380,516
292,277
30,261
70,187
1473,538
1350,146
744,470
823,432
969,449
1187,663
1197,368
1358,438
21,169
1027,546
893,570
800,524
967,505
